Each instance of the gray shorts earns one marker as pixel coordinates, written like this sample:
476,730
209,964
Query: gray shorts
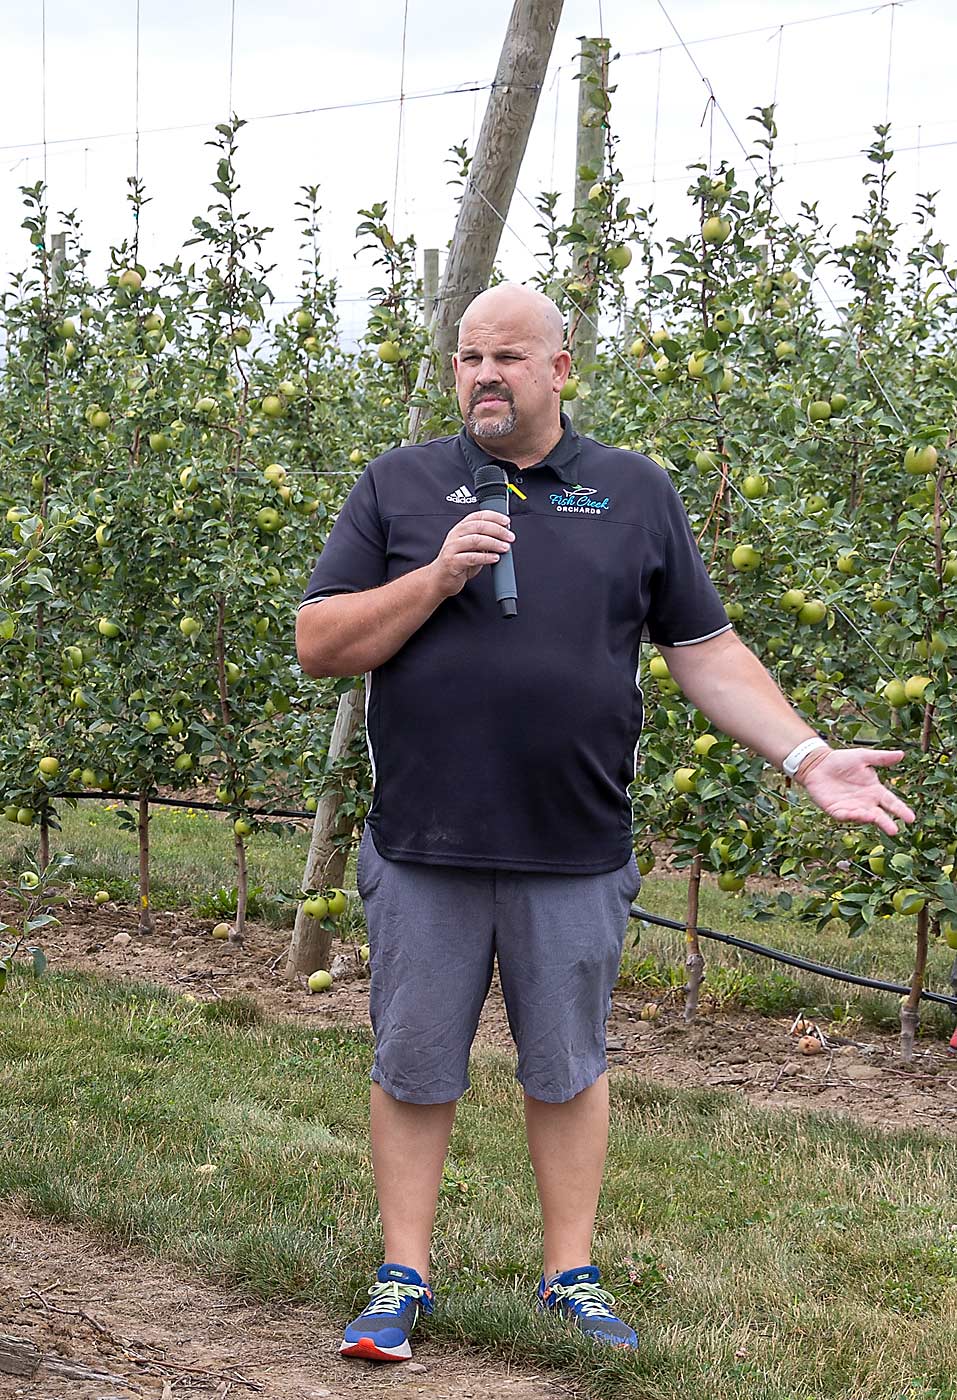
434,932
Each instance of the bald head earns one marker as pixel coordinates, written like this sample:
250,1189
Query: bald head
512,306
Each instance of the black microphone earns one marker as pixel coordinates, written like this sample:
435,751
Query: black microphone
491,490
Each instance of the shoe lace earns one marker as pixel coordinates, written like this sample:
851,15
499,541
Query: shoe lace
586,1298
391,1297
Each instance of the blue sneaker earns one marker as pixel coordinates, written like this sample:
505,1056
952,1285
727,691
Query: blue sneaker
381,1331
576,1296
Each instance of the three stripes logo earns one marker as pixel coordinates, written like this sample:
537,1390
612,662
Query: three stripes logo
462,497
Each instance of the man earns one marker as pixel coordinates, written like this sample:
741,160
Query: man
502,752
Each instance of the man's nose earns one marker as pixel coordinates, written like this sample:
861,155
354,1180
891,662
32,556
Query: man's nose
488,372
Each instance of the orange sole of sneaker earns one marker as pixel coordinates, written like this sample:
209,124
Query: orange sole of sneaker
365,1349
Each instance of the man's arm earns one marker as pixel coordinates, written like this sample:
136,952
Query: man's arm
727,683
351,633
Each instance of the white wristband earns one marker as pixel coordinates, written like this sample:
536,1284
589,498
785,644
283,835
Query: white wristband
796,757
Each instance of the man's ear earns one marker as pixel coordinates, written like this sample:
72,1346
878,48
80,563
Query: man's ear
562,366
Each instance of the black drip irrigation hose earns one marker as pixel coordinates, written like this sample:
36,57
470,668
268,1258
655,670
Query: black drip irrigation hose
156,801
792,959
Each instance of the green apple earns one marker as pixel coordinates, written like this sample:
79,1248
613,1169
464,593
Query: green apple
637,348
29,880
356,456
745,557
785,350
950,934
315,907
707,461
819,410
102,534
754,487
130,280
25,816
206,405
389,352
658,667
735,611
569,389
274,406
268,519
915,686
66,330
159,442
183,761
276,473
704,744
877,860
242,335
153,722
812,612
645,861
950,568
920,461
793,600
233,672
908,901
730,882
221,930
838,403
895,694
88,777
663,370
106,628
189,626
338,901
49,767
101,897
10,812
303,320
320,981
847,563
619,256
242,827
684,780
696,363
716,230
154,321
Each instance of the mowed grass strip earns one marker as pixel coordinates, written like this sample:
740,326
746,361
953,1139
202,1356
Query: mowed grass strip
192,860
760,1255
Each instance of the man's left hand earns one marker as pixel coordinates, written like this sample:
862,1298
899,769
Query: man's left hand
843,783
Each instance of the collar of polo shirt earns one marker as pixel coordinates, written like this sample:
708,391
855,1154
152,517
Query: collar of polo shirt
563,458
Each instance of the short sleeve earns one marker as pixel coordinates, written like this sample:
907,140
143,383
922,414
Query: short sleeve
685,607
354,557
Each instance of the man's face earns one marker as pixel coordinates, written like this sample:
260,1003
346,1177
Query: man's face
507,375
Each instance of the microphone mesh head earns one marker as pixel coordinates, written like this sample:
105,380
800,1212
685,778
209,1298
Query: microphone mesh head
491,476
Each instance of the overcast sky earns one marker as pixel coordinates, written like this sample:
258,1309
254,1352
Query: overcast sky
829,73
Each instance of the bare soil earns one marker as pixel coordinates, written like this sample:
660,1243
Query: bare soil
151,1331
140,1328
859,1074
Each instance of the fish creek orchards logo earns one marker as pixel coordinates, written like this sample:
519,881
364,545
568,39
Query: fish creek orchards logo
577,500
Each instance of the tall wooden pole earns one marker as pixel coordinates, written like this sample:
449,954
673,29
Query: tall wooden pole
494,169
478,229
589,169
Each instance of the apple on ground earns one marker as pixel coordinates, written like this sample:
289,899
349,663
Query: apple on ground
101,897
320,981
221,930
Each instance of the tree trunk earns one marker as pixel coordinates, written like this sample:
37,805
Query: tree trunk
694,961
242,890
143,849
910,1005
311,944
43,856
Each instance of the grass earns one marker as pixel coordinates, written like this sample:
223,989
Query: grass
191,867
760,1255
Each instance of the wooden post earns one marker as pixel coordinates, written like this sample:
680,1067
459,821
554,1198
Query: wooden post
589,169
478,229
311,944
494,169
430,282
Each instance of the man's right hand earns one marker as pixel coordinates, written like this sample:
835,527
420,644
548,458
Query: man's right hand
478,539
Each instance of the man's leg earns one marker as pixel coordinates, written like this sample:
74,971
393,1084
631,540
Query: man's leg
409,1143
567,1143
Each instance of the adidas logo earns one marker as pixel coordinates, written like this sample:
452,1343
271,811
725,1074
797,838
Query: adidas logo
462,497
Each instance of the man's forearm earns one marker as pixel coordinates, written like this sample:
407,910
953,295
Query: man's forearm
728,683
352,633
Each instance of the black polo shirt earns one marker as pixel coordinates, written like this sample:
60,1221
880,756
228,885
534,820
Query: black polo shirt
510,742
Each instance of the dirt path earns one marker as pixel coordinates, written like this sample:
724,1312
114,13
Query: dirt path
151,1331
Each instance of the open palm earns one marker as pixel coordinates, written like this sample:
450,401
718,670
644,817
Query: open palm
843,784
